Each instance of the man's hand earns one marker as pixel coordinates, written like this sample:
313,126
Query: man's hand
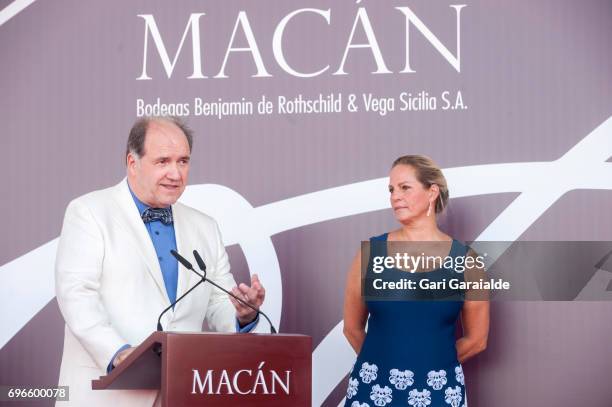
254,295
121,356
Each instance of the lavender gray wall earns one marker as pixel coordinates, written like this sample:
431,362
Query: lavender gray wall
537,77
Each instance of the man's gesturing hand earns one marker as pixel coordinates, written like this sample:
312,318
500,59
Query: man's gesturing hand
254,295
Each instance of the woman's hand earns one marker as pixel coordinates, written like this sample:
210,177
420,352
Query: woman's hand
475,322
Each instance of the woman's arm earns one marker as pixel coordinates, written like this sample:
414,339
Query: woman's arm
475,322
474,314
355,311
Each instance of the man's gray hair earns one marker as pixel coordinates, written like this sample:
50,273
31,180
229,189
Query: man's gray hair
136,139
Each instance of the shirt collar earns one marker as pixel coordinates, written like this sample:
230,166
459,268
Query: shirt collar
139,204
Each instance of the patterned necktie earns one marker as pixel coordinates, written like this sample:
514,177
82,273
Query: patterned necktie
162,214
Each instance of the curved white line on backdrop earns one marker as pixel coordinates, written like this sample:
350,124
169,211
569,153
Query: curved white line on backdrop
12,9
27,284
540,185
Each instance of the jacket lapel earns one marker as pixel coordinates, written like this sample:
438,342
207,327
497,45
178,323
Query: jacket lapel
128,218
184,245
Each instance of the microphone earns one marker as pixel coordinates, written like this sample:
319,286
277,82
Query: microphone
202,267
181,260
200,261
188,265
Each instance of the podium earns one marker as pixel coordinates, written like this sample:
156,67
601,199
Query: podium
215,369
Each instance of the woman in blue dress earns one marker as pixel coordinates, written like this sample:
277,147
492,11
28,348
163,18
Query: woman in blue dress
409,355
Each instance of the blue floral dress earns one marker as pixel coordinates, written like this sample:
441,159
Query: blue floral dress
408,357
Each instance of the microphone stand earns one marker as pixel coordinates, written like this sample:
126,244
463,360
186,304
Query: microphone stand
272,329
203,278
159,325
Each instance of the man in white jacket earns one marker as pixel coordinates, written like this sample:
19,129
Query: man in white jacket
114,272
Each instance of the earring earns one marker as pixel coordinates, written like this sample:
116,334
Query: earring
429,209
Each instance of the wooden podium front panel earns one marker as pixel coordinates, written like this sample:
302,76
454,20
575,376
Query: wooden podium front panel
231,364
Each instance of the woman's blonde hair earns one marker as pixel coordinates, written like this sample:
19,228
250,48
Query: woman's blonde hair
428,173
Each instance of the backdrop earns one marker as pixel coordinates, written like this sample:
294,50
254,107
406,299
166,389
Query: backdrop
299,108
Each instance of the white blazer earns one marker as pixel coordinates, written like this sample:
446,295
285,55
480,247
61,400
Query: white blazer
110,288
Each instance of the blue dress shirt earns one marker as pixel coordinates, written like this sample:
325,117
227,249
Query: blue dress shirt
164,240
